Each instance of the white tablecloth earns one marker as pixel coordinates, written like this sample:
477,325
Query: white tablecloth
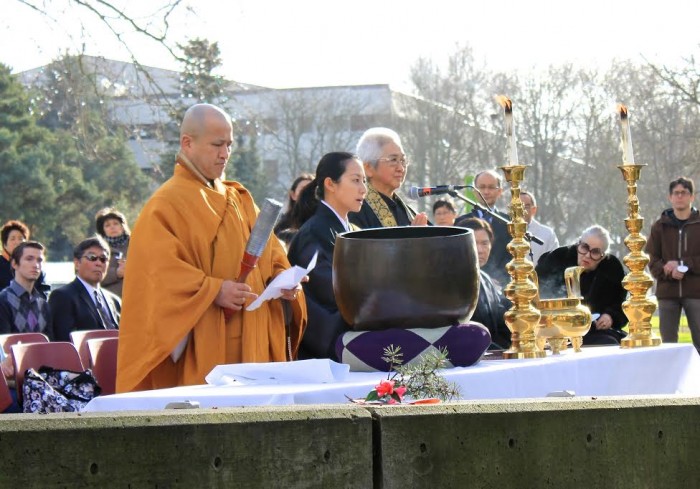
597,371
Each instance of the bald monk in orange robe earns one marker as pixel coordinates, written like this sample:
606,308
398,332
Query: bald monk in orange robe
184,255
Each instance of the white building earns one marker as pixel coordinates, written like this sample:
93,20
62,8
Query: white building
294,127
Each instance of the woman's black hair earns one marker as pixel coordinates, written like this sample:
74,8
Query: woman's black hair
332,165
301,178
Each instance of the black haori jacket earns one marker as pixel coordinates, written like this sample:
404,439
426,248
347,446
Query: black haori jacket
601,288
672,240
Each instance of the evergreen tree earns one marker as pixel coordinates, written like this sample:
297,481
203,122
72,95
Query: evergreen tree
61,159
246,166
198,84
73,102
38,187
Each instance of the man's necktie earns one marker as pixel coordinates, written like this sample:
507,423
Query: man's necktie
105,316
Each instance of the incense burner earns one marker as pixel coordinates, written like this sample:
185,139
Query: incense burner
565,318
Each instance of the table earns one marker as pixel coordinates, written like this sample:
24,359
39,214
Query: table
668,369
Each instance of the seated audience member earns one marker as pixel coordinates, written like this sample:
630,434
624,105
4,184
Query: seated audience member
492,304
386,165
444,213
24,308
83,304
601,282
284,229
322,212
112,226
12,234
490,186
537,229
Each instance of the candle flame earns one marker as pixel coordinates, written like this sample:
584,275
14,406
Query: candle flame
505,102
622,109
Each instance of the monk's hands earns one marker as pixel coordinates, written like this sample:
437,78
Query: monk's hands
291,294
233,295
421,219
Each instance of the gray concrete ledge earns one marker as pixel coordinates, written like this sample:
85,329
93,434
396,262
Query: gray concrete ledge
627,442
630,442
293,447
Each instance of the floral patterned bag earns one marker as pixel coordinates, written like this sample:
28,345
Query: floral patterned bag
57,391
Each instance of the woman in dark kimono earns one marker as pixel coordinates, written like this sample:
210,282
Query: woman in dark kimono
321,213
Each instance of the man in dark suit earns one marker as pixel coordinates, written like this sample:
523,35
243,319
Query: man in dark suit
83,304
490,188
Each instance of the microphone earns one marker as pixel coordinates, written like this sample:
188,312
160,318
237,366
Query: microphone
415,192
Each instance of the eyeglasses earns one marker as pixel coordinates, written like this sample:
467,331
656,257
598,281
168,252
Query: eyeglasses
481,188
102,258
395,161
680,193
595,253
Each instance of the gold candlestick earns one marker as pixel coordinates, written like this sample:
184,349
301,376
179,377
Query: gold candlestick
523,318
639,308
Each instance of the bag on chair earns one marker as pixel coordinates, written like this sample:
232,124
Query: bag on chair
53,390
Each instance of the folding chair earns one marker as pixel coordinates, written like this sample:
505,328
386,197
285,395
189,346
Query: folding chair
5,395
57,354
80,338
103,362
9,339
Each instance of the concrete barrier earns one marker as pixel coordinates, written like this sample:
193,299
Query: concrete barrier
630,442
236,447
573,443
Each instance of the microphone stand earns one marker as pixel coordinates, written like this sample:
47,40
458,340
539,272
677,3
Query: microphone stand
528,236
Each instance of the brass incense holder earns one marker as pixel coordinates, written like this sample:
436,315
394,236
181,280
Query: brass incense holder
565,318
639,308
523,318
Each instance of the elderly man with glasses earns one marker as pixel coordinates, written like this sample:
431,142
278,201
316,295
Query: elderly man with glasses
385,166
674,252
83,304
601,283
490,187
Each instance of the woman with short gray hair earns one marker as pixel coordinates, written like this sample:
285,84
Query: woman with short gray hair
385,165
601,282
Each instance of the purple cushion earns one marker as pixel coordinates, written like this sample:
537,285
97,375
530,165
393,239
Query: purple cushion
363,350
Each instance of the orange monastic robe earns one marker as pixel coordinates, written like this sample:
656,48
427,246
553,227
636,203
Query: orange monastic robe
187,240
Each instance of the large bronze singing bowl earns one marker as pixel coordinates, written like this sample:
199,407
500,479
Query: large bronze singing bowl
406,277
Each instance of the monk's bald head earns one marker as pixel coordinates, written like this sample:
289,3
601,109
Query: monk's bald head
199,116
206,136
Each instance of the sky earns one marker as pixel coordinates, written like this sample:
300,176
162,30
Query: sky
293,43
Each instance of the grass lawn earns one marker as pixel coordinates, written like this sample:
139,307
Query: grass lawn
683,331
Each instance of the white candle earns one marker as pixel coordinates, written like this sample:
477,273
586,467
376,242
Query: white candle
511,146
626,133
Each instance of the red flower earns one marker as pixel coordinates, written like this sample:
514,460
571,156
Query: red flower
400,391
385,388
